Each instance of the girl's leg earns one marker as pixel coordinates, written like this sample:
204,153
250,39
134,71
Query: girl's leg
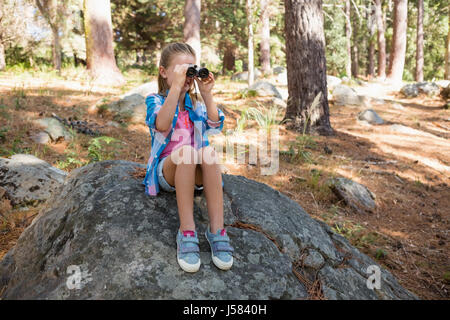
179,170
212,186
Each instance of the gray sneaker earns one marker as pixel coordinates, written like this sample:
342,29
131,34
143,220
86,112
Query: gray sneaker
221,250
188,252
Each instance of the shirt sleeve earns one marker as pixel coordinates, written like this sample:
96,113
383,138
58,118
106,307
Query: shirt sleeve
154,105
217,125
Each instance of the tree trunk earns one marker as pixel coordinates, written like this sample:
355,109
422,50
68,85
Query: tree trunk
2,57
419,43
380,40
192,27
398,48
372,27
447,50
348,35
355,55
229,58
100,59
56,50
251,73
306,67
265,37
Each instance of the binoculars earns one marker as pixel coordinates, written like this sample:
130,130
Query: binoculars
194,71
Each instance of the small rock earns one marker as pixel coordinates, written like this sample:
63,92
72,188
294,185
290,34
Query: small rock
278,69
41,137
410,90
55,129
354,194
370,116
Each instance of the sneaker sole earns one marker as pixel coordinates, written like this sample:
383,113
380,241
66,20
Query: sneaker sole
219,263
186,266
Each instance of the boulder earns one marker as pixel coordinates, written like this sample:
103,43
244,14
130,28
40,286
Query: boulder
55,129
344,95
370,116
354,194
414,89
265,89
332,82
102,237
29,180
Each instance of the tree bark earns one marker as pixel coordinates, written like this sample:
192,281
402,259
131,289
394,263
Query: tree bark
2,56
56,50
348,35
192,27
229,57
355,55
251,72
100,59
398,48
265,37
447,50
372,27
380,40
306,67
419,42
53,13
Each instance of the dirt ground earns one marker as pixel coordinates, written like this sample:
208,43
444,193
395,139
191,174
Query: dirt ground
408,232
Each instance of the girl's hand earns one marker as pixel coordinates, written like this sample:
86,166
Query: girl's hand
205,85
180,75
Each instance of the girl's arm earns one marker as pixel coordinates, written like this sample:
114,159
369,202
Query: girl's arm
211,107
167,112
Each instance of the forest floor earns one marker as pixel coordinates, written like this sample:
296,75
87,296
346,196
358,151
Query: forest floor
408,232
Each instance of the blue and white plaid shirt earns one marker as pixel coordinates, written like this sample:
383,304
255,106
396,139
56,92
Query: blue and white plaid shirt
202,128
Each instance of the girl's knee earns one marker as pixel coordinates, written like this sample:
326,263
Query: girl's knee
208,155
186,155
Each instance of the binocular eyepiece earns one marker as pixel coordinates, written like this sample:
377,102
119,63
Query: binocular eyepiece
194,71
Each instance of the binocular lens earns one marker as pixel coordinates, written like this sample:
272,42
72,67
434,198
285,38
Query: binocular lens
195,71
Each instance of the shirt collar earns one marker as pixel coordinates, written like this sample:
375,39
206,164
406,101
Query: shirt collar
187,99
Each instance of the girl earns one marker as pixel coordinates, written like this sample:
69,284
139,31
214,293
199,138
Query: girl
181,158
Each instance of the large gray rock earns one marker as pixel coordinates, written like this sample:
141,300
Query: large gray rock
354,194
29,180
344,95
122,244
414,89
265,89
332,82
370,116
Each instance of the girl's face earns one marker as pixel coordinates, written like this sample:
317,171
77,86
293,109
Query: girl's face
168,74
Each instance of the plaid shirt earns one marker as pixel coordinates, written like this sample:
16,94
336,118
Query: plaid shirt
202,128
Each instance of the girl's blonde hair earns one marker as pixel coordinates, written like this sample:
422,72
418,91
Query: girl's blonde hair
167,54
